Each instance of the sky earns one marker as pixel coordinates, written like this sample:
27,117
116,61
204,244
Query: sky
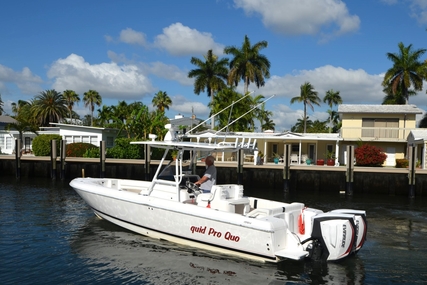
129,50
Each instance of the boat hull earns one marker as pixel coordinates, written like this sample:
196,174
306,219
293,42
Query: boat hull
263,230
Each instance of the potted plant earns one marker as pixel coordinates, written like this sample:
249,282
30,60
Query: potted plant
308,161
276,158
330,158
174,154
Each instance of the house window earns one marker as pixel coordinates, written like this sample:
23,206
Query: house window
9,143
330,148
94,140
69,139
295,148
86,139
110,142
1,141
380,128
77,139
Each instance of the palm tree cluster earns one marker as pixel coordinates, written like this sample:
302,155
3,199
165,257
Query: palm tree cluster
219,77
51,106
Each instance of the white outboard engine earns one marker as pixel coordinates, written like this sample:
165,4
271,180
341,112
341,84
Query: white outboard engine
334,234
361,225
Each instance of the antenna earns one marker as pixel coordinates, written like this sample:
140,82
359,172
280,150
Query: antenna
245,113
221,111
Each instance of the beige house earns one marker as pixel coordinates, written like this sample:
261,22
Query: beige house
385,126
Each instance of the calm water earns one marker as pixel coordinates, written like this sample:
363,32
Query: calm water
49,236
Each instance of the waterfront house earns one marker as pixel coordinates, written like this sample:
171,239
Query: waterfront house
385,126
70,133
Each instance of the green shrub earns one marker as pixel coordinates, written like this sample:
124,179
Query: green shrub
42,143
123,149
369,155
78,149
92,152
402,163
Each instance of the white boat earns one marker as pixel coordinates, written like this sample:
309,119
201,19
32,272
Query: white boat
170,207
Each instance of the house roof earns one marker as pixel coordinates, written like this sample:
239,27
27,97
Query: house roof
389,109
417,135
7,119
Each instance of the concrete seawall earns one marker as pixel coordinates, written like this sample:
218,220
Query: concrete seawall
388,181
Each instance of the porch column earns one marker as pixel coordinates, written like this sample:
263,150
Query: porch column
337,151
265,150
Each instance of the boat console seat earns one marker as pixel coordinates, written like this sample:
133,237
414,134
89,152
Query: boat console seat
228,198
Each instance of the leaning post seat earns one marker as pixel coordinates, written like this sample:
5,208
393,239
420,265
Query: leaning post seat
228,198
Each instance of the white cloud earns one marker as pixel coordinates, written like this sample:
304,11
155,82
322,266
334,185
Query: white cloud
25,80
131,36
180,40
419,10
171,72
295,17
355,86
184,107
109,79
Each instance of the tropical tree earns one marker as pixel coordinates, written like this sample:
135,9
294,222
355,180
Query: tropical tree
407,70
210,75
268,124
17,107
162,101
396,98
248,64
92,98
332,98
1,106
423,122
71,98
235,116
104,116
308,96
301,124
49,106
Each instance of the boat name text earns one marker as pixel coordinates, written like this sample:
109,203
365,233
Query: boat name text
213,232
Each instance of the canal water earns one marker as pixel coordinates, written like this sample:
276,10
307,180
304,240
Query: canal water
49,236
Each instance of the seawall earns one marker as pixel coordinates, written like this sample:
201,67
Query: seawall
388,181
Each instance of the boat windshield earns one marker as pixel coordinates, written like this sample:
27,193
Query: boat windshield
169,171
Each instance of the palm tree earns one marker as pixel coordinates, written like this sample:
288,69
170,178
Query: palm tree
301,124
17,107
268,124
308,96
92,98
1,106
332,98
211,75
407,70
248,64
104,116
49,106
396,98
71,97
162,101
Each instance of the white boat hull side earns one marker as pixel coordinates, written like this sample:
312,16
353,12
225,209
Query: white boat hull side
192,225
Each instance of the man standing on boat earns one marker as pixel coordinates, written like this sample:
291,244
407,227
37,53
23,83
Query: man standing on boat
209,178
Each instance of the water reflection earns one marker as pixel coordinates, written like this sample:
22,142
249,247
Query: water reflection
122,253
49,236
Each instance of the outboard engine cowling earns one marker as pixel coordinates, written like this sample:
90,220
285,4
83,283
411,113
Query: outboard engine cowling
361,225
336,234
